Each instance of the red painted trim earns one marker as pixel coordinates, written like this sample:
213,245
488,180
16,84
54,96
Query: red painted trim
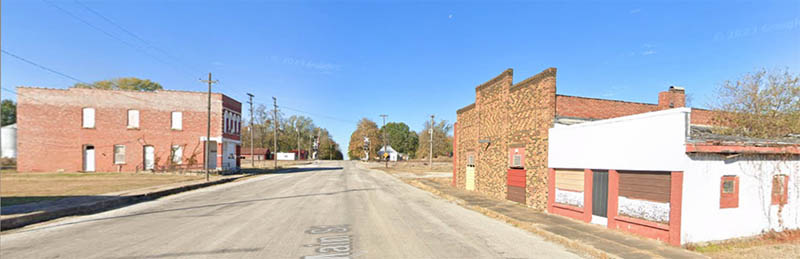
675,204
710,148
551,189
642,228
613,197
729,200
567,211
783,198
520,151
516,177
568,207
238,156
587,195
642,222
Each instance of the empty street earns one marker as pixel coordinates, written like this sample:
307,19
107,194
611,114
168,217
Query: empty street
323,210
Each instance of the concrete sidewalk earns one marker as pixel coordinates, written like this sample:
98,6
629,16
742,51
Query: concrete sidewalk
21,215
594,240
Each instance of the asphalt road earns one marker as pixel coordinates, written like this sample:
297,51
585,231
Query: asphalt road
322,211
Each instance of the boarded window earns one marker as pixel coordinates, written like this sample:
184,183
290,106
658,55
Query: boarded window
177,154
643,185
780,194
119,154
729,192
569,180
88,117
133,119
177,120
471,159
516,157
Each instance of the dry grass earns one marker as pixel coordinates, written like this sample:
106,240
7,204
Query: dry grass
18,188
270,164
784,244
413,167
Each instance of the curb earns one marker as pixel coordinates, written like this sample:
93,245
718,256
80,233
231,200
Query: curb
530,227
100,206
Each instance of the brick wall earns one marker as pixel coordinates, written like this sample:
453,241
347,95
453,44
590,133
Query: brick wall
591,108
598,109
491,103
521,115
467,141
702,117
51,137
532,109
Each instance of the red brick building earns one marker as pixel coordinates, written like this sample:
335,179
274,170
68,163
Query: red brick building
501,140
79,129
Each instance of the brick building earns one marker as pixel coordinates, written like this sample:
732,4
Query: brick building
79,129
501,140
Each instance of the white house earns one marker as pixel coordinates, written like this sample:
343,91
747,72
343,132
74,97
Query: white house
655,175
391,152
285,156
8,141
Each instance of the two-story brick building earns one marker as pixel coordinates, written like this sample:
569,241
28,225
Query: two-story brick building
79,129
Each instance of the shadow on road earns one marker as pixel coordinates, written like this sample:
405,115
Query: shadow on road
287,170
305,169
212,252
200,207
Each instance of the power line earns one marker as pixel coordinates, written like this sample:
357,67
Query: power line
320,115
68,76
39,66
130,33
87,23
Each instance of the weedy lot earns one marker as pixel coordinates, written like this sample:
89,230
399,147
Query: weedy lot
784,244
414,167
19,188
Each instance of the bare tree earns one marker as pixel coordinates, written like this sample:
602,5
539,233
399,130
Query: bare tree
761,105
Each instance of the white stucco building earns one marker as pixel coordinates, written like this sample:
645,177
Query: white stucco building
8,137
655,175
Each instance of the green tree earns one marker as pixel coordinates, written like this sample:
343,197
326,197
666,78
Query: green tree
401,138
9,113
442,141
762,104
328,149
124,83
365,128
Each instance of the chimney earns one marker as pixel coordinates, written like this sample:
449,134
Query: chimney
675,97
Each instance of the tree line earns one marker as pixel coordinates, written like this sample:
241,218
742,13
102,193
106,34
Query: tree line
400,137
294,133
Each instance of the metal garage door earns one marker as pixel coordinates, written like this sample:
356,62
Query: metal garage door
600,193
516,185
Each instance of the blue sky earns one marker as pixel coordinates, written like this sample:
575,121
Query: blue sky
344,60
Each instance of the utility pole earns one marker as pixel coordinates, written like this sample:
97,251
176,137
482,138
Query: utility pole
275,133
252,156
430,155
208,126
297,129
385,150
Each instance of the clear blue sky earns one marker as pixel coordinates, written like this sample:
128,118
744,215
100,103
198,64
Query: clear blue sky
352,59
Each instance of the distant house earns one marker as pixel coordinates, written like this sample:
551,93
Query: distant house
286,156
393,155
8,136
258,154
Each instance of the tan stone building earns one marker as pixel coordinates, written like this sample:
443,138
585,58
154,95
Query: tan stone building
501,140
